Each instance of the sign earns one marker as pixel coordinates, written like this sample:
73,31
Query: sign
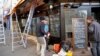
79,32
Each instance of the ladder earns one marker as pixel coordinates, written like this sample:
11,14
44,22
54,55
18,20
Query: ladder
16,34
28,23
2,32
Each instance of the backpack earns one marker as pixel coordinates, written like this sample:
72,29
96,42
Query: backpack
46,28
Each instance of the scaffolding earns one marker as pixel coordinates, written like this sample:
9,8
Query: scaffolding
28,23
16,34
18,38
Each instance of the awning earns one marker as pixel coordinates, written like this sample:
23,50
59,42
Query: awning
25,5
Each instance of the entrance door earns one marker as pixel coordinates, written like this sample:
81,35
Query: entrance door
54,23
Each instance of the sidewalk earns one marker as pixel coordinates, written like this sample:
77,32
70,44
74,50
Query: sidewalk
82,53
5,50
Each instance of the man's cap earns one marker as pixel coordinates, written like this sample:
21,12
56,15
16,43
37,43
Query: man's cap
90,18
42,18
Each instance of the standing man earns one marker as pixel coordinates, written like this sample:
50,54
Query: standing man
94,29
41,32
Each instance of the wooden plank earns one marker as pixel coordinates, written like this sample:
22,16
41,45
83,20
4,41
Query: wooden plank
14,9
36,4
27,7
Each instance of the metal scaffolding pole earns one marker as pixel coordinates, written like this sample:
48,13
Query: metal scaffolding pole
28,23
16,34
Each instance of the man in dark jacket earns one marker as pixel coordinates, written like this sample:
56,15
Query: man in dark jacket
94,29
41,34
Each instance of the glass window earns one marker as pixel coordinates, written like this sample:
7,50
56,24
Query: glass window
55,25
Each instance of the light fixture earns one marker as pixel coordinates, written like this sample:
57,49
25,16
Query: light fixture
85,3
95,3
51,6
71,3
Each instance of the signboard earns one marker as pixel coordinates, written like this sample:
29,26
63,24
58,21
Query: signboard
79,32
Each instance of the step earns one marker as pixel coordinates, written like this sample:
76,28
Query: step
2,34
2,38
2,42
1,28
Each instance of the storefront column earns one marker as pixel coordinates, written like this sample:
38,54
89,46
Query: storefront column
62,23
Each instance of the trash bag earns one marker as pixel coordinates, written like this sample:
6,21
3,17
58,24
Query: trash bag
66,46
69,53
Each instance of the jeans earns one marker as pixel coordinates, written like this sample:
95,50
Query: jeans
47,41
41,46
95,48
